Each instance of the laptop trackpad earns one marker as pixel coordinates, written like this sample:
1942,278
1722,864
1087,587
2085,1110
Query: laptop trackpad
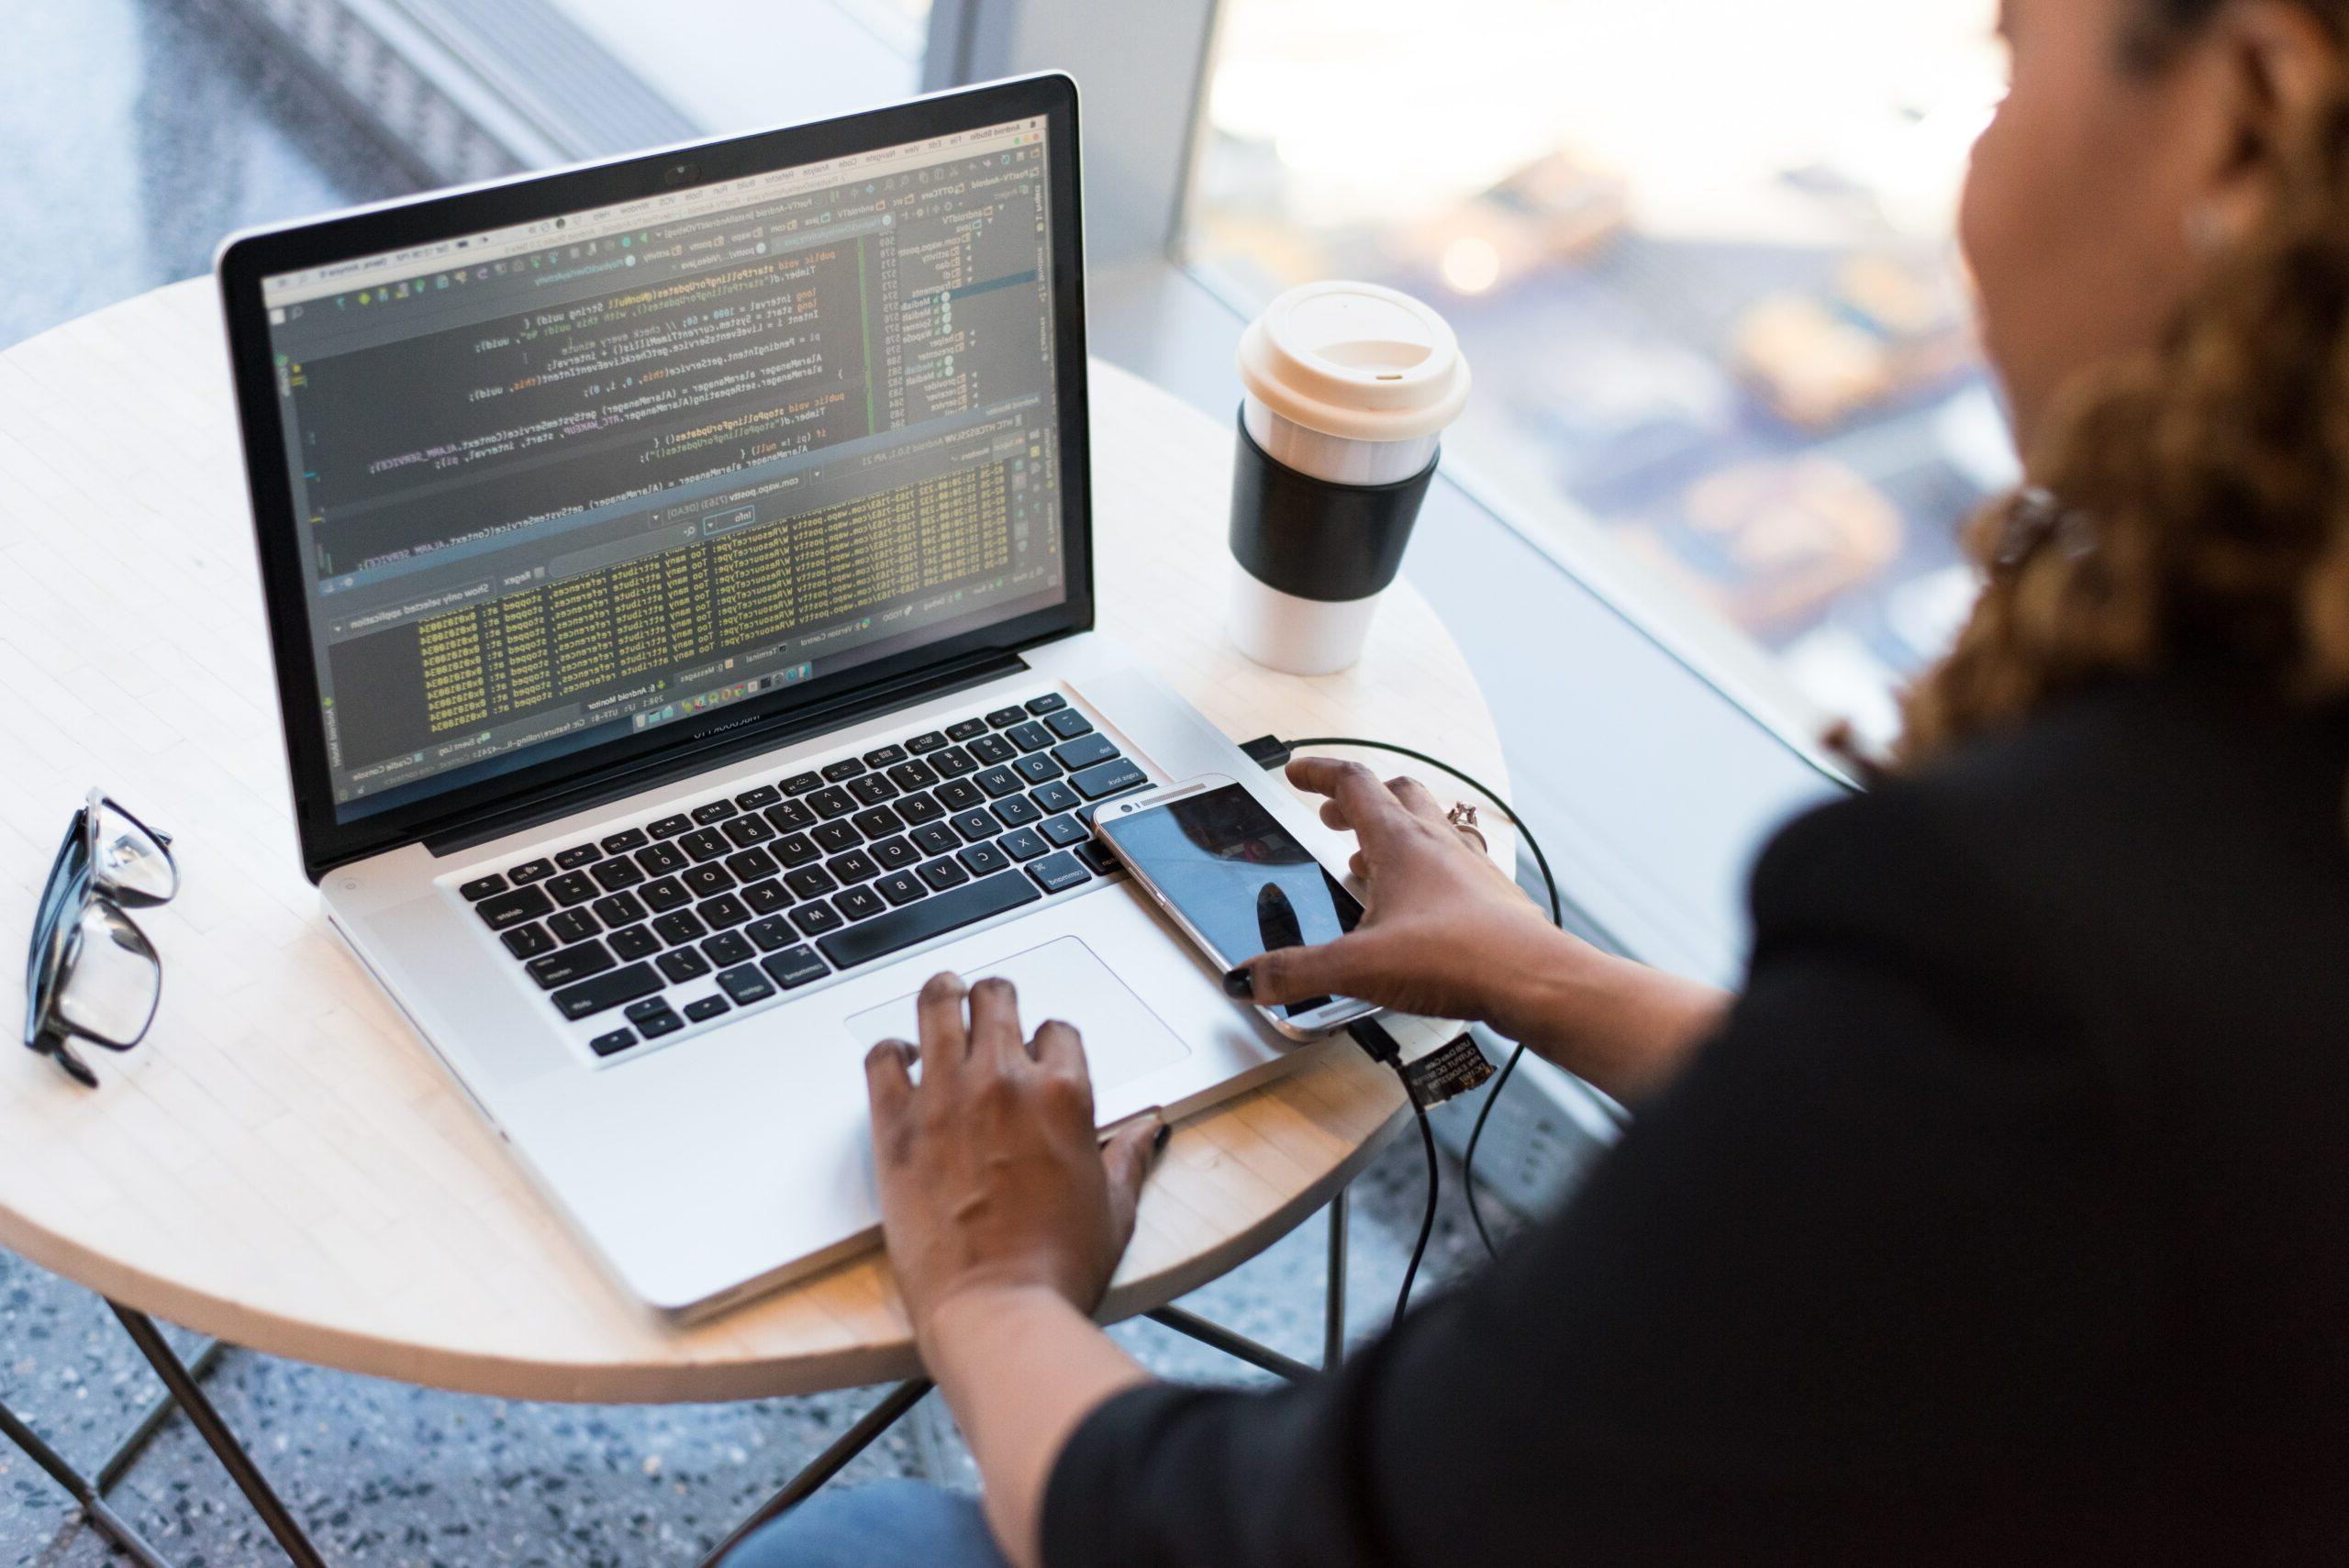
1123,1038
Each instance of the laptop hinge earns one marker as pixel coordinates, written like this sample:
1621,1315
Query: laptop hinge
839,713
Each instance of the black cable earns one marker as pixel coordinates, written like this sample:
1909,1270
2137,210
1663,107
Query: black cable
1372,1036
1558,917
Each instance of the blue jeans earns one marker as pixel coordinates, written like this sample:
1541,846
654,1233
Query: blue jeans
888,1524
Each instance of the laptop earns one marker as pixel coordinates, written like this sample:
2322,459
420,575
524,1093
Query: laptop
678,572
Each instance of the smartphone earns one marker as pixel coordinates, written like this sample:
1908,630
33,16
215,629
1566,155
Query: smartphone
1239,883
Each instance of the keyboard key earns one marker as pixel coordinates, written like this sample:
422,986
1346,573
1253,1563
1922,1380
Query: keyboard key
810,882
1050,702
669,827
976,824
624,840
634,942
705,844
815,919
766,897
878,823
1029,737
837,838
936,839
791,817
895,854
661,859
1068,724
795,849
872,789
729,947
983,859
1083,751
576,856
935,915
612,1044
704,882
572,963
1022,844
916,809
613,874
501,910
900,888
907,776
846,768
714,811
747,831
1018,811
953,763
722,911
656,1021
1098,858
573,926
927,740
679,927
884,757
1037,769
607,990
752,865
1058,873
998,782
665,895
1004,718
529,872
961,794
800,784
683,964
527,941
745,985
965,729
620,909
944,874
771,933
758,799
992,749
795,967
831,801
858,903
572,887
701,1009
1064,831
1109,779
854,866
1055,797
482,887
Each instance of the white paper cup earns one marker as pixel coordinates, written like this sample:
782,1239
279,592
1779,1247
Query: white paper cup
1349,385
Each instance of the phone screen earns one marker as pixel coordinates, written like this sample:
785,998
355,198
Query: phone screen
1239,877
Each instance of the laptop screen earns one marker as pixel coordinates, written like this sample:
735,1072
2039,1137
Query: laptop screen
579,478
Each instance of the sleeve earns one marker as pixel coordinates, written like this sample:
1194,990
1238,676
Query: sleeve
1844,1282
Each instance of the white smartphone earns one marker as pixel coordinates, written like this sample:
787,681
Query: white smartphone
1239,883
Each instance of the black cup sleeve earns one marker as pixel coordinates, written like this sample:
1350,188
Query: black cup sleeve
1313,539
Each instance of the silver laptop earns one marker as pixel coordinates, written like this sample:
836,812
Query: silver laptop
679,572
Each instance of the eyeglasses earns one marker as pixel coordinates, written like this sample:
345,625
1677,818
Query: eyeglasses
93,974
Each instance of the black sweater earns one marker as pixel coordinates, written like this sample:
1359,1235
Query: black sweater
2006,1221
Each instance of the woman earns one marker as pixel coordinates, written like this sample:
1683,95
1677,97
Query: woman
2005,1216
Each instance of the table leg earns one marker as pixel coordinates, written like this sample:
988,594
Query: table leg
159,1410
93,1507
827,1465
1333,1307
189,1396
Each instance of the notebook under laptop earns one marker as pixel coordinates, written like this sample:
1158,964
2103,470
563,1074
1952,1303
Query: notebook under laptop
679,575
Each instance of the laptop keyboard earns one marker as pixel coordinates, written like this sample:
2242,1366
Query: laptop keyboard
786,883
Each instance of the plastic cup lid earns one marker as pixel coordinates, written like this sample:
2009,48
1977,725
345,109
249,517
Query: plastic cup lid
1355,360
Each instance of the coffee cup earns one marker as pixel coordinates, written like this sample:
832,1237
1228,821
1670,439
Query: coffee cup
1349,389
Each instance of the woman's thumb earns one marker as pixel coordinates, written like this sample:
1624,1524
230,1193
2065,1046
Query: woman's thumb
1294,974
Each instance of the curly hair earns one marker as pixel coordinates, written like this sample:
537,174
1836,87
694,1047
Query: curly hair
2195,503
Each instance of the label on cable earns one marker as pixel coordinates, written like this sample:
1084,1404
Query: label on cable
1441,1058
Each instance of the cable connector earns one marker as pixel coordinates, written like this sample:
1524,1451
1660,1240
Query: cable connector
1269,752
1376,1043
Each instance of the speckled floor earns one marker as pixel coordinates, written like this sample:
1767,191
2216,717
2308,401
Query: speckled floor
133,133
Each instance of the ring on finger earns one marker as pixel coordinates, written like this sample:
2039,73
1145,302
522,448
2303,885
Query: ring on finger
1463,816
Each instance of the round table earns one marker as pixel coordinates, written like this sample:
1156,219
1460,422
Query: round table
281,1165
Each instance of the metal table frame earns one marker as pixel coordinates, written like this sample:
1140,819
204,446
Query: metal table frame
183,1395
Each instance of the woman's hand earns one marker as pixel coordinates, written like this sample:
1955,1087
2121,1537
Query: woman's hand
1448,935
992,1177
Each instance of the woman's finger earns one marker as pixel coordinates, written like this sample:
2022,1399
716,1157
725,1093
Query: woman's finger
1292,974
1418,799
1334,816
1125,1159
944,1034
996,1037
1058,1048
888,1085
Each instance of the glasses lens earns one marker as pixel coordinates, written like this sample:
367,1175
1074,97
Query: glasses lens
110,980
132,864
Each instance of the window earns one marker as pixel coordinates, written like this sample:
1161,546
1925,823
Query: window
1699,254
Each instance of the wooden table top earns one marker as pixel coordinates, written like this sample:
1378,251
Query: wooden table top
281,1164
